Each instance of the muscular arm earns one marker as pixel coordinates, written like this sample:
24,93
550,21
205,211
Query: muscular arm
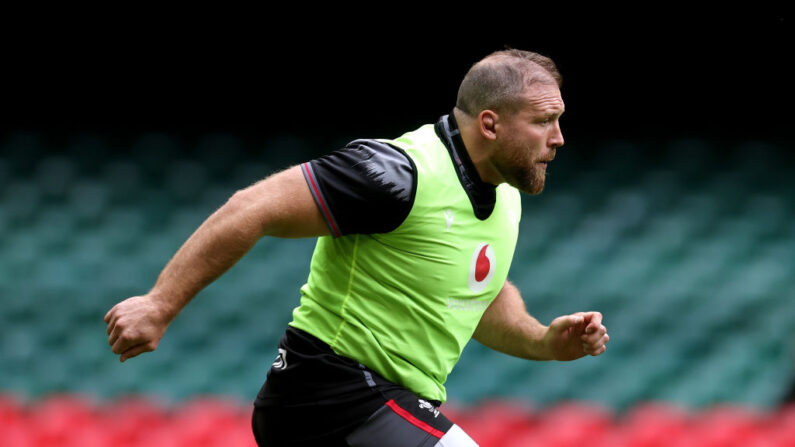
281,205
506,326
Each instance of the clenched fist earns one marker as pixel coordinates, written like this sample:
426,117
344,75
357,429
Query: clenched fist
573,336
136,325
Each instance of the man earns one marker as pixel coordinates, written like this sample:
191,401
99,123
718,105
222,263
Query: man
416,240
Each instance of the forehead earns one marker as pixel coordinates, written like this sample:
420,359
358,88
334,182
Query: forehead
542,97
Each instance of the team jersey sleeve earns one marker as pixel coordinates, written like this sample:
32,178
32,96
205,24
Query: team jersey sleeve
366,187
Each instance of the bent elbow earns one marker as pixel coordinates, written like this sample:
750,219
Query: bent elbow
242,209
239,200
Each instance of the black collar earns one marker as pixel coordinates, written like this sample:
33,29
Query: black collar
482,195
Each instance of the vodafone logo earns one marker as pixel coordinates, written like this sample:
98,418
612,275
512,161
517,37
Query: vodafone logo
482,267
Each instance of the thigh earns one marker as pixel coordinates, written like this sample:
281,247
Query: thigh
398,418
313,397
274,427
311,422
406,420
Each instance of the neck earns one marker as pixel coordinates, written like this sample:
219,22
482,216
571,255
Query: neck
477,147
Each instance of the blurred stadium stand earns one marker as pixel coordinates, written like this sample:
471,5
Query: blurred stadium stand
686,246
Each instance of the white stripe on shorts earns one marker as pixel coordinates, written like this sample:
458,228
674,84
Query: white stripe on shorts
455,437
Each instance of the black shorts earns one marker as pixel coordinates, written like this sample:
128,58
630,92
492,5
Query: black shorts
314,397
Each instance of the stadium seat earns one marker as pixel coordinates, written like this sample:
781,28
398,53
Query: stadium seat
185,180
58,417
218,154
54,176
11,414
24,150
130,420
124,180
88,199
727,426
690,266
782,425
655,425
22,200
495,422
573,423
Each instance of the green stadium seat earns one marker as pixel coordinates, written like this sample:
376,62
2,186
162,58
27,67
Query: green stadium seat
283,151
185,180
92,151
247,174
122,228
54,175
5,173
689,158
23,150
21,201
124,180
687,254
219,153
215,195
153,153
88,200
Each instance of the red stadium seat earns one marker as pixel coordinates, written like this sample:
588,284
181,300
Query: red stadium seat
785,416
10,411
726,426
574,423
133,421
14,429
210,422
17,435
782,426
495,422
87,436
59,417
655,425
531,438
74,421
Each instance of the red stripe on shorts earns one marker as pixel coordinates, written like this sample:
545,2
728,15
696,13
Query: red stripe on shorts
413,420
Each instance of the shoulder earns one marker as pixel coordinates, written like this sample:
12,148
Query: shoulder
381,168
363,178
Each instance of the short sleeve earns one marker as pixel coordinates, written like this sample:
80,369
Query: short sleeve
366,187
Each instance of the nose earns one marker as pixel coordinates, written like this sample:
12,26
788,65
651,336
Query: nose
556,137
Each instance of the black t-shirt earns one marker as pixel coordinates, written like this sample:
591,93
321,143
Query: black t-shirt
369,186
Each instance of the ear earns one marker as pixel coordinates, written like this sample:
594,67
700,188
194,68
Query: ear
487,121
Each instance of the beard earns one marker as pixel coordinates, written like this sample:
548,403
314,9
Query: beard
524,173
530,180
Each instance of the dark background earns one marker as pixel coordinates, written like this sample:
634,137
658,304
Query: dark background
629,75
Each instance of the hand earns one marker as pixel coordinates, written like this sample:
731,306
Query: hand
573,336
136,325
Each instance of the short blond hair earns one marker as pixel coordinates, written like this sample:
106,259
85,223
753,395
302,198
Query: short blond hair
498,80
